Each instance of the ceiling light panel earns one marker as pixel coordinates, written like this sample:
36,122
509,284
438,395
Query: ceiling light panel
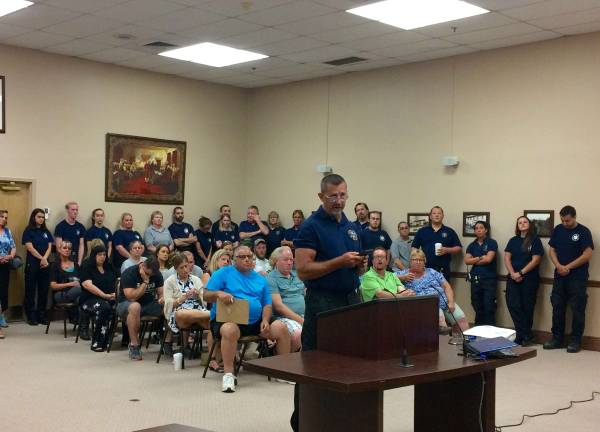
213,54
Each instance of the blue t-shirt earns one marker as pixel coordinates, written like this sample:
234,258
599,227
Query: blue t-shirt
39,238
206,243
427,237
181,230
123,238
486,271
72,233
519,258
274,239
431,283
101,233
330,239
223,236
291,234
246,227
252,287
569,245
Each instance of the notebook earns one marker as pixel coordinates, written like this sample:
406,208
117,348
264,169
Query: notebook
237,312
482,346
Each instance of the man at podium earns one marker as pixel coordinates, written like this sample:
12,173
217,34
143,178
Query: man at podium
328,261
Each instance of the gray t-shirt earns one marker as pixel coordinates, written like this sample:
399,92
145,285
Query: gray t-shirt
291,290
155,237
400,249
130,263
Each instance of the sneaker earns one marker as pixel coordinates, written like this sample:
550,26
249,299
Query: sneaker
3,322
134,352
168,349
228,385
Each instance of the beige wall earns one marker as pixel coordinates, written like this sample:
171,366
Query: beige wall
59,110
523,120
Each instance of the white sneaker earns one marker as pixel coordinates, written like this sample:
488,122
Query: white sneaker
228,385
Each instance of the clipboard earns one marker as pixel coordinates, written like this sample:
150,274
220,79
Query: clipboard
237,312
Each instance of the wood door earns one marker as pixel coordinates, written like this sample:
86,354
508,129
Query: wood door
16,198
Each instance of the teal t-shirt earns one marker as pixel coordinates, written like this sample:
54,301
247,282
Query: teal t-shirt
291,290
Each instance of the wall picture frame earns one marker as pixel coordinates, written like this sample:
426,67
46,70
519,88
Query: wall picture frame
416,221
470,218
2,104
144,170
542,220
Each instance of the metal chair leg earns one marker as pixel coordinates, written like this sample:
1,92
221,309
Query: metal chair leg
210,354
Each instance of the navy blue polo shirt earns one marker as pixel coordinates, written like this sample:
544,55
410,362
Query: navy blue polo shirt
569,245
123,238
427,237
206,242
330,239
39,238
361,226
246,227
222,236
371,239
215,227
486,271
276,235
72,233
520,257
291,233
101,233
181,230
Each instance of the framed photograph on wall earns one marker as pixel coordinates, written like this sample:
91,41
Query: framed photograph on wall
416,221
2,105
144,170
542,220
470,219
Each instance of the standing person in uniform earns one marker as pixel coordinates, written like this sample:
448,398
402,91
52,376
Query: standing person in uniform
292,233
436,232
204,245
8,251
361,210
373,236
571,247
72,230
99,231
122,238
401,248
328,262
276,232
481,256
522,257
182,232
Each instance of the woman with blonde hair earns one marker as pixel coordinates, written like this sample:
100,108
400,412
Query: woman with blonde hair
122,238
276,232
156,234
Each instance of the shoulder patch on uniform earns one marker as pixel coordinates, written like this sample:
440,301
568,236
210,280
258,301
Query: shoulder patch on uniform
352,234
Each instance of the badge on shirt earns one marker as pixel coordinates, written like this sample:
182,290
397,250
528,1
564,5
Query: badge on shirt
575,237
382,238
444,235
485,247
77,231
106,235
352,234
137,236
45,235
185,230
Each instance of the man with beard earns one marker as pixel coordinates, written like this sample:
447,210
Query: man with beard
182,232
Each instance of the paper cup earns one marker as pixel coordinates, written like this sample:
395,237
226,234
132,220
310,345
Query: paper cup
438,246
177,361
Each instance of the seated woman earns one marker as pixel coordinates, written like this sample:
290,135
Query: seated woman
98,295
163,255
426,281
64,278
183,300
287,294
136,250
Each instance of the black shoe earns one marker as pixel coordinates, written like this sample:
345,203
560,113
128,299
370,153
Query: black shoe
574,347
32,322
43,321
168,349
528,342
553,344
84,334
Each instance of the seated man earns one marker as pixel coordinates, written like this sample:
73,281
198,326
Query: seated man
287,294
426,281
141,285
380,283
136,250
240,281
261,263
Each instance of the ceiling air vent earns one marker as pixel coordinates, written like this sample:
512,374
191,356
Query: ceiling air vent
345,61
160,44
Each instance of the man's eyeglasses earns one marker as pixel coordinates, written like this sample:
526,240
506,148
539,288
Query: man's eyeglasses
243,257
336,198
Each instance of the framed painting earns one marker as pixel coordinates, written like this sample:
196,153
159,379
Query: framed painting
470,219
416,221
144,170
542,220
2,105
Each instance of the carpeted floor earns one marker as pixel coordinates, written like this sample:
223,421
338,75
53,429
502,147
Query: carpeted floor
53,384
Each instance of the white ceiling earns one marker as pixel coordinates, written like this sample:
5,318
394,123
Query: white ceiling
299,35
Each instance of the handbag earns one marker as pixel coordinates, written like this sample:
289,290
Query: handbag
16,262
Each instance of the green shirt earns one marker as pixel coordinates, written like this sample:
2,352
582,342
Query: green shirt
372,283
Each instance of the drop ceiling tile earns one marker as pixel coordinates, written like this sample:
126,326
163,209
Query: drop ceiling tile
84,25
288,12
139,10
220,30
441,53
478,36
343,4
496,5
77,47
346,34
182,20
191,2
408,49
113,55
579,28
36,39
323,23
264,83
146,61
83,5
177,68
236,79
373,64
234,8
259,37
138,33
569,19
466,25
295,69
318,55
7,31
383,41
38,16
550,8
260,66
291,46
516,40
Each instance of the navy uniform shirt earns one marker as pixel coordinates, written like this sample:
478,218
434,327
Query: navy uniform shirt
123,238
72,233
101,233
222,236
486,271
330,239
206,243
291,233
181,230
215,227
520,257
276,235
569,245
246,227
427,237
39,238
361,226
371,239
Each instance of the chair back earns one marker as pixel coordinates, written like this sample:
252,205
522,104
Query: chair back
237,312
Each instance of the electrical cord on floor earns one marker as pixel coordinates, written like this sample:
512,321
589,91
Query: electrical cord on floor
571,403
481,401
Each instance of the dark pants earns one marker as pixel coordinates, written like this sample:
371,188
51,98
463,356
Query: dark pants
101,311
68,295
37,281
443,270
520,299
568,291
4,279
317,302
483,300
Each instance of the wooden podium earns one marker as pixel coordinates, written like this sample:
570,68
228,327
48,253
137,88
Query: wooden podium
358,357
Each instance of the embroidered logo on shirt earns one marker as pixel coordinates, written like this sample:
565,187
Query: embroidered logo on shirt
444,235
185,230
352,235
45,235
382,238
106,235
77,231
137,236
575,237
